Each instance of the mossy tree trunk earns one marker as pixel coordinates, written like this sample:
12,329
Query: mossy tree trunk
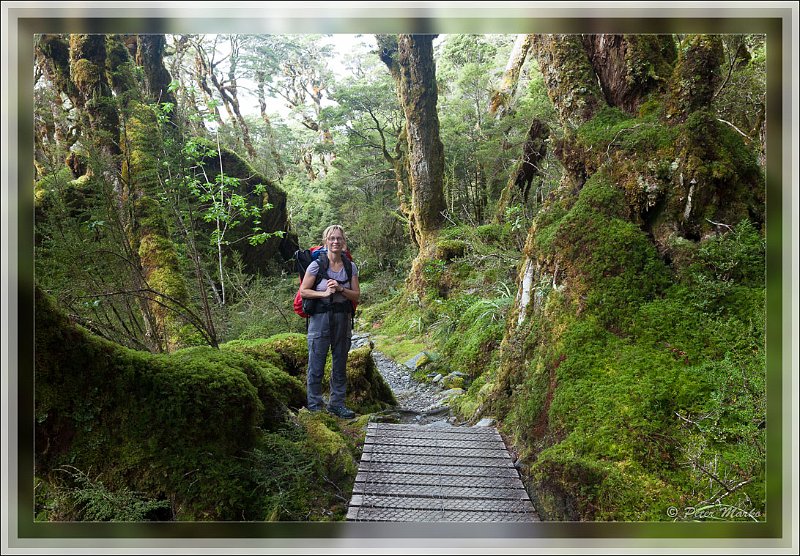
425,150
585,74
97,73
387,45
650,173
413,68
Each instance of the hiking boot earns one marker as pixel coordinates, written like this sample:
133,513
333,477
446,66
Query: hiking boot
315,409
341,411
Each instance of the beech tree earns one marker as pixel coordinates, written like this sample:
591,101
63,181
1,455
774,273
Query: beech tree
651,177
410,61
96,74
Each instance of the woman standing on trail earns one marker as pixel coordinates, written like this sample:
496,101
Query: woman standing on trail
332,282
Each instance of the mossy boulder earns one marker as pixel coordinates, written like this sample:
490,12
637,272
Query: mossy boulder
333,453
453,381
367,391
449,249
273,215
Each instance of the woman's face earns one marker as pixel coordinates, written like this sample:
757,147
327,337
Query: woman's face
335,241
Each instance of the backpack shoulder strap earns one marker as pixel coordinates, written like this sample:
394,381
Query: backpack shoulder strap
348,267
322,261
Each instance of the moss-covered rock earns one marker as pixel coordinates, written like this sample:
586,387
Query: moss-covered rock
333,453
273,215
208,430
367,391
449,249
286,351
142,420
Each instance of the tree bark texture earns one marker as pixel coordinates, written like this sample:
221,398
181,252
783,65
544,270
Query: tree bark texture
696,77
570,78
387,51
533,152
425,151
501,98
629,67
150,57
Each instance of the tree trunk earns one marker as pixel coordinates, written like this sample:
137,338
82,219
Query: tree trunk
280,168
629,67
410,61
533,152
652,174
150,57
501,98
425,151
95,72
387,45
703,56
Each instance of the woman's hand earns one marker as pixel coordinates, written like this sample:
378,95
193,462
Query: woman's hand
333,287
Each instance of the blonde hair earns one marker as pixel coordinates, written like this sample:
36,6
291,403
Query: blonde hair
330,229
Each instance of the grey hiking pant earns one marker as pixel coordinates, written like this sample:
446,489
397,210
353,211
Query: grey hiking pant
328,331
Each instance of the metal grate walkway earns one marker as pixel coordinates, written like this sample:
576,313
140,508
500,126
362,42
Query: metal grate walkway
417,473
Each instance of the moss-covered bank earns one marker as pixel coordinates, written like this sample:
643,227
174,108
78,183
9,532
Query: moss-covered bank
632,371
213,434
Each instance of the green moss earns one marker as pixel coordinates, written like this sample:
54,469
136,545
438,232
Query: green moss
498,234
603,127
424,360
84,73
56,49
448,250
721,172
573,87
332,452
121,69
142,420
287,355
285,351
596,489
629,143
190,426
649,59
402,350
609,262
453,382
597,414
475,397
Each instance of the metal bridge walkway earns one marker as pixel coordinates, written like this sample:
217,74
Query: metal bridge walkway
419,473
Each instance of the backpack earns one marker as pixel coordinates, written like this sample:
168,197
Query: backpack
302,259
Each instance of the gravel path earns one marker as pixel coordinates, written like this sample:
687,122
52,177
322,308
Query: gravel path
419,403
